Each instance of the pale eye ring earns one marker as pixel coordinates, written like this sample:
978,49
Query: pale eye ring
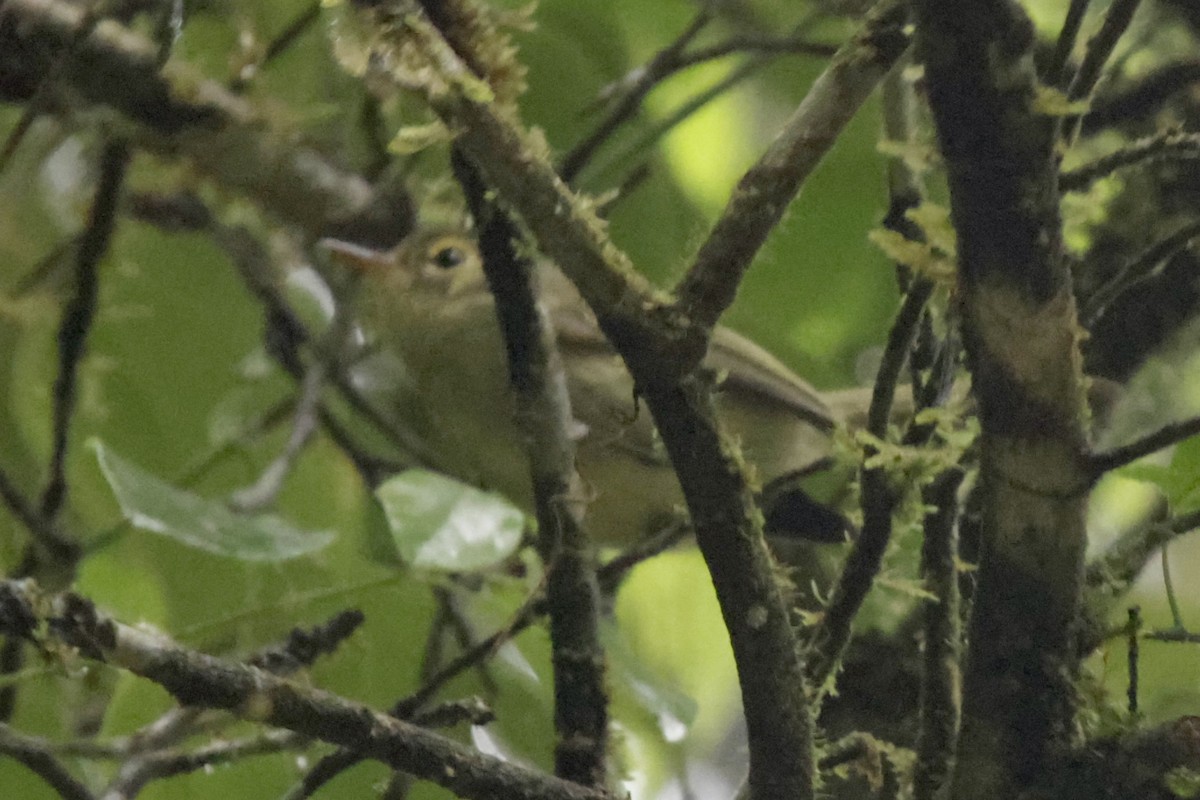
448,256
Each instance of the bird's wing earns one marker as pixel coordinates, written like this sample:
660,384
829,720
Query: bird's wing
746,367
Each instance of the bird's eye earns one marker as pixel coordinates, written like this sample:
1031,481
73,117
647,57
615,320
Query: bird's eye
448,256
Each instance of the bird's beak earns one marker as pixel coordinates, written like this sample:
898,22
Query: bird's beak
355,257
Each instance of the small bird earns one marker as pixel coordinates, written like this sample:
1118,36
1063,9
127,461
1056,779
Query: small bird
427,303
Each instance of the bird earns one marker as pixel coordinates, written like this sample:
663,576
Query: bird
427,304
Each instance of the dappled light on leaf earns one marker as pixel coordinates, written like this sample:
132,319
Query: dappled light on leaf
442,524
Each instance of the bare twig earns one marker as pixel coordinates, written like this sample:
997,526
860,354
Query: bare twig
1133,659
262,493
1141,98
757,45
36,754
1109,577
543,413
253,694
1099,49
39,102
1163,147
78,314
178,112
1126,454
302,22
44,531
150,753
608,576
667,62
136,774
941,674
1138,269
1101,46
647,78
766,190
1067,37
1174,635
878,500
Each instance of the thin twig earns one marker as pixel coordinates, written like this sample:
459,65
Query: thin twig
1175,635
1099,49
78,314
44,531
778,45
1110,576
941,675
1067,37
1101,46
1137,270
341,760
262,493
1166,436
1162,147
304,424
1169,587
1133,659
278,45
767,189
159,765
829,638
609,577
1142,97
538,377
643,80
36,755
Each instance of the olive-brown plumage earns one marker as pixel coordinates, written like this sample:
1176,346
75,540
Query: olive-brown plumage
427,303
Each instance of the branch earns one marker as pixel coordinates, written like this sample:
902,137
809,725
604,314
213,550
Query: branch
1138,765
878,501
1140,268
609,576
1021,337
543,414
647,77
1067,36
660,347
1109,576
1142,98
666,62
1101,46
941,673
255,695
78,314
1163,147
1126,454
766,190
175,111
136,774
36,754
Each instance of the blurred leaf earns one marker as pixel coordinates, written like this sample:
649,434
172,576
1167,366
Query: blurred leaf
440,523
1178,481
673,710
156,506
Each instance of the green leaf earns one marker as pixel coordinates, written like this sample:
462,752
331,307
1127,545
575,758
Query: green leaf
154,505
1177,481
440,523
